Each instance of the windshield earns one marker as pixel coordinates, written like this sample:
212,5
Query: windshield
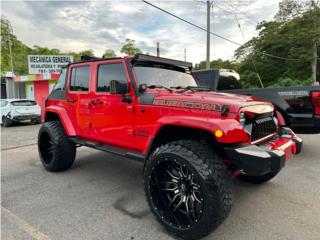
165,77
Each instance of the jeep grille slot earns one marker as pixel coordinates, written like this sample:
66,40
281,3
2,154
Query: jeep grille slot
262,127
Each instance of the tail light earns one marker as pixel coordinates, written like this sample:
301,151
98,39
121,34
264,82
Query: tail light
315,97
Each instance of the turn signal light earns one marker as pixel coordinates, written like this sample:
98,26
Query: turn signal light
218,133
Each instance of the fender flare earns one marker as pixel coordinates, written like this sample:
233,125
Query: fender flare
233,131
64,118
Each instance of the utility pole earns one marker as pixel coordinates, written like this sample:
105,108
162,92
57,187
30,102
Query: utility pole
314,50
208,34
185,54
8,38
158,49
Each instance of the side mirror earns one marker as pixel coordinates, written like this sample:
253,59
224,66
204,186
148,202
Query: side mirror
143,87
117,87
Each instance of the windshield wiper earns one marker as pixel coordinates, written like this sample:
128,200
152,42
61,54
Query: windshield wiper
192,88
159,86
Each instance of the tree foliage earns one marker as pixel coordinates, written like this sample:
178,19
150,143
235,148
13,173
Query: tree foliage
291,35
109,53
130,48
219,63
20,51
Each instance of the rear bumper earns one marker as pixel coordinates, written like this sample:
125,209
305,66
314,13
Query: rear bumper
305,121
19,118
257,160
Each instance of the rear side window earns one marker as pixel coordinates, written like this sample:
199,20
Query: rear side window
24,103
108,72
80,79
61,83
228,83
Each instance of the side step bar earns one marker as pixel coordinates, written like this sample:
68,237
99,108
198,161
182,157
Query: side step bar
110,149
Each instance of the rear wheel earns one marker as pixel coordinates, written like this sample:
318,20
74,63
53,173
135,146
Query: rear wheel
57,152
258,179
188,188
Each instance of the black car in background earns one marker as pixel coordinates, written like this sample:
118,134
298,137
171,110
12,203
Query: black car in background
299,106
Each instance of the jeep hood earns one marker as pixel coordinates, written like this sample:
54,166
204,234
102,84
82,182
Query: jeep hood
210,101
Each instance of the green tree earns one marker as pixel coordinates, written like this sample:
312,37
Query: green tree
216,64
76,55
88,52
19,50
109,53
294,34
130,48
37,50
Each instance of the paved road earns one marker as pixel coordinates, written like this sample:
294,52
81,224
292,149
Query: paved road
101,197
19,135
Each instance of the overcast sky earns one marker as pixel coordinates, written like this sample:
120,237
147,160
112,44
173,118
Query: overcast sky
101,25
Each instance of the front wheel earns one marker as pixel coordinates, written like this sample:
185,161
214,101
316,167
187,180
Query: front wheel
6,121
188,188
57,152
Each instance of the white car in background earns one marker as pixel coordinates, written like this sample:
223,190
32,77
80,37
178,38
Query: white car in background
19,110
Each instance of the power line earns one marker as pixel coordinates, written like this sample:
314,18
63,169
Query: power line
244,39
230,11
224,38
186,21
244,14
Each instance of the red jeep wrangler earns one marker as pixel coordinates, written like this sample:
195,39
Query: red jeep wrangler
192,141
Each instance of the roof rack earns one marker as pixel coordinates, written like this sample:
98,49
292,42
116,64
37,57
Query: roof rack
144,57
86,58
89,58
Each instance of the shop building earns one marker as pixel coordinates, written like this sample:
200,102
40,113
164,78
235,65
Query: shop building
35,86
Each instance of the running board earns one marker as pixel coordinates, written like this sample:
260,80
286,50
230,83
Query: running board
110,149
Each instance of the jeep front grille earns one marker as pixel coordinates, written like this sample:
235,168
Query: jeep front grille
262,127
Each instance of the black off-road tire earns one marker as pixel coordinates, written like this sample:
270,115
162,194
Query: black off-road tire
6,121
57,152
258,179
213,179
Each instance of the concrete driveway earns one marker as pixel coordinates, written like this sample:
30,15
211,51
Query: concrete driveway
102,197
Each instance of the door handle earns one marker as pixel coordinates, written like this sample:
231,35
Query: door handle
71,100
97,102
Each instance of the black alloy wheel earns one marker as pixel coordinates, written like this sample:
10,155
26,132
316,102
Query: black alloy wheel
176,194
46,147
188,188
56,150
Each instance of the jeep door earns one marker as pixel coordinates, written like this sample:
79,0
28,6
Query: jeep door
78,97
111,117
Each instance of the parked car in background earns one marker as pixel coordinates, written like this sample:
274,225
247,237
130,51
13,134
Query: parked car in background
19,110
299,106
